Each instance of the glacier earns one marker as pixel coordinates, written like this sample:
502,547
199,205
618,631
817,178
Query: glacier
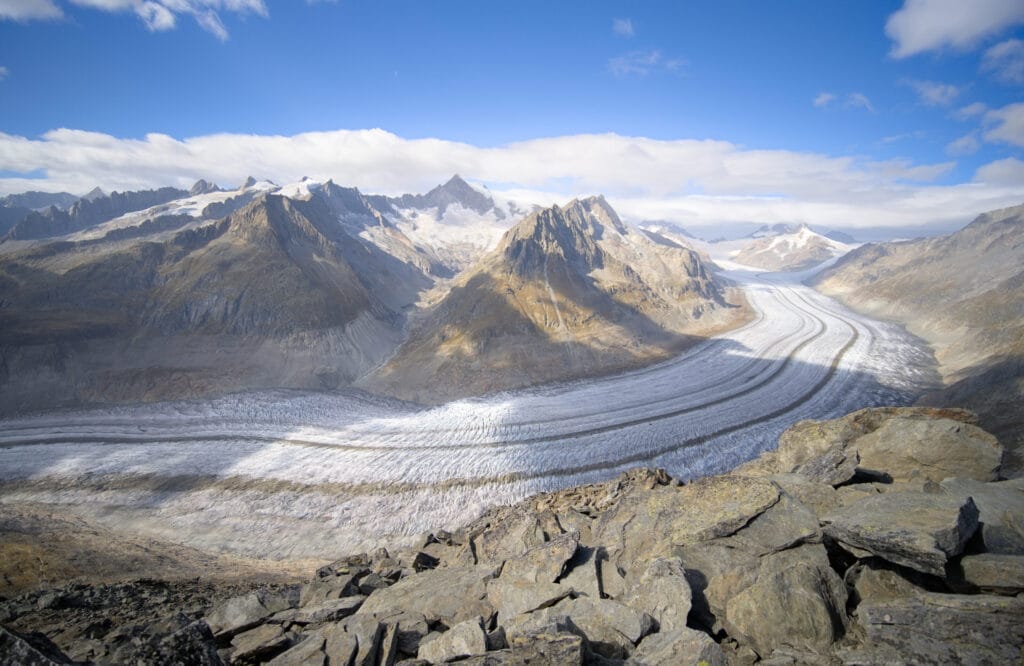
291,474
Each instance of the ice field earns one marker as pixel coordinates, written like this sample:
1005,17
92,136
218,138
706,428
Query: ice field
289,474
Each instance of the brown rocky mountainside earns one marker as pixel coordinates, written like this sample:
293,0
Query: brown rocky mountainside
569,292
272,295
885,537
964,295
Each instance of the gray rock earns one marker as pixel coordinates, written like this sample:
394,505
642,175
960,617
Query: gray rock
463,640
935,449
993,572
912,529
367,632
834,467
796,601
544,563
449,595
1000,510
244,612
683,646
662,593
340,646
328,587
510,598
820,498
946,629
875,581
389,645
330,610
28,650
309,651
260,643
583,575
612,629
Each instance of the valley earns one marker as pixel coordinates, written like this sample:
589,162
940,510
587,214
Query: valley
341,471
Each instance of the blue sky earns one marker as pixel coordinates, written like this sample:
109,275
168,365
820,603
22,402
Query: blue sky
900,95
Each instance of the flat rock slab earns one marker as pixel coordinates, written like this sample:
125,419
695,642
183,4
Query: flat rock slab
449,595
994,572
1000,510
913,529
330,610
946,628
679,646
934,449
544,563
463,640
246,611
510,598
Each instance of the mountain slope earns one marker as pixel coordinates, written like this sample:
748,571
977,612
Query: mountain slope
784,248
262,298
964,294
569,292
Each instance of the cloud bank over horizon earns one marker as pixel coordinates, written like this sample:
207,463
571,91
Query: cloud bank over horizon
698,183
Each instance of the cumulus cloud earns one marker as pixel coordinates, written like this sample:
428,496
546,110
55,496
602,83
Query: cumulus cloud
623,27
823,99
934,93
928,25
156,15
4,72
1006,125
699,183
642,63
1009,171
1005,61
29,10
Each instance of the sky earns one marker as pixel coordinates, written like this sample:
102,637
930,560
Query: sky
887,117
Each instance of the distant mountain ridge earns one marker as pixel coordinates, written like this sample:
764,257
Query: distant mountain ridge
788,248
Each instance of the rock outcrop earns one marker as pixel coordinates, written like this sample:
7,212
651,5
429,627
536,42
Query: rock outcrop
795,558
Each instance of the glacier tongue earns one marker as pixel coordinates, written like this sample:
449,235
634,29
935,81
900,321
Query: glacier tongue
336,472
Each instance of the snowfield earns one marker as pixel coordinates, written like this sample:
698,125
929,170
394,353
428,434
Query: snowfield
288,474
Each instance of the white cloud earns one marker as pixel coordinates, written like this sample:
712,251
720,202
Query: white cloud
859,100
1006,125
29,10
1005,61
4,72
928,25
934,93
968,144
1009,171
157,15
642,63
970,111
699,183
823,99
623,27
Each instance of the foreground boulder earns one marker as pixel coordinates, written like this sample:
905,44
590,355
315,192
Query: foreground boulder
914,529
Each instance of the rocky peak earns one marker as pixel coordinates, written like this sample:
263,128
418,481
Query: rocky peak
94,193
455,191
202,187
249,182
571,233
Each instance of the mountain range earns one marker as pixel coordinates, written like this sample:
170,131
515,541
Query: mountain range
173,293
